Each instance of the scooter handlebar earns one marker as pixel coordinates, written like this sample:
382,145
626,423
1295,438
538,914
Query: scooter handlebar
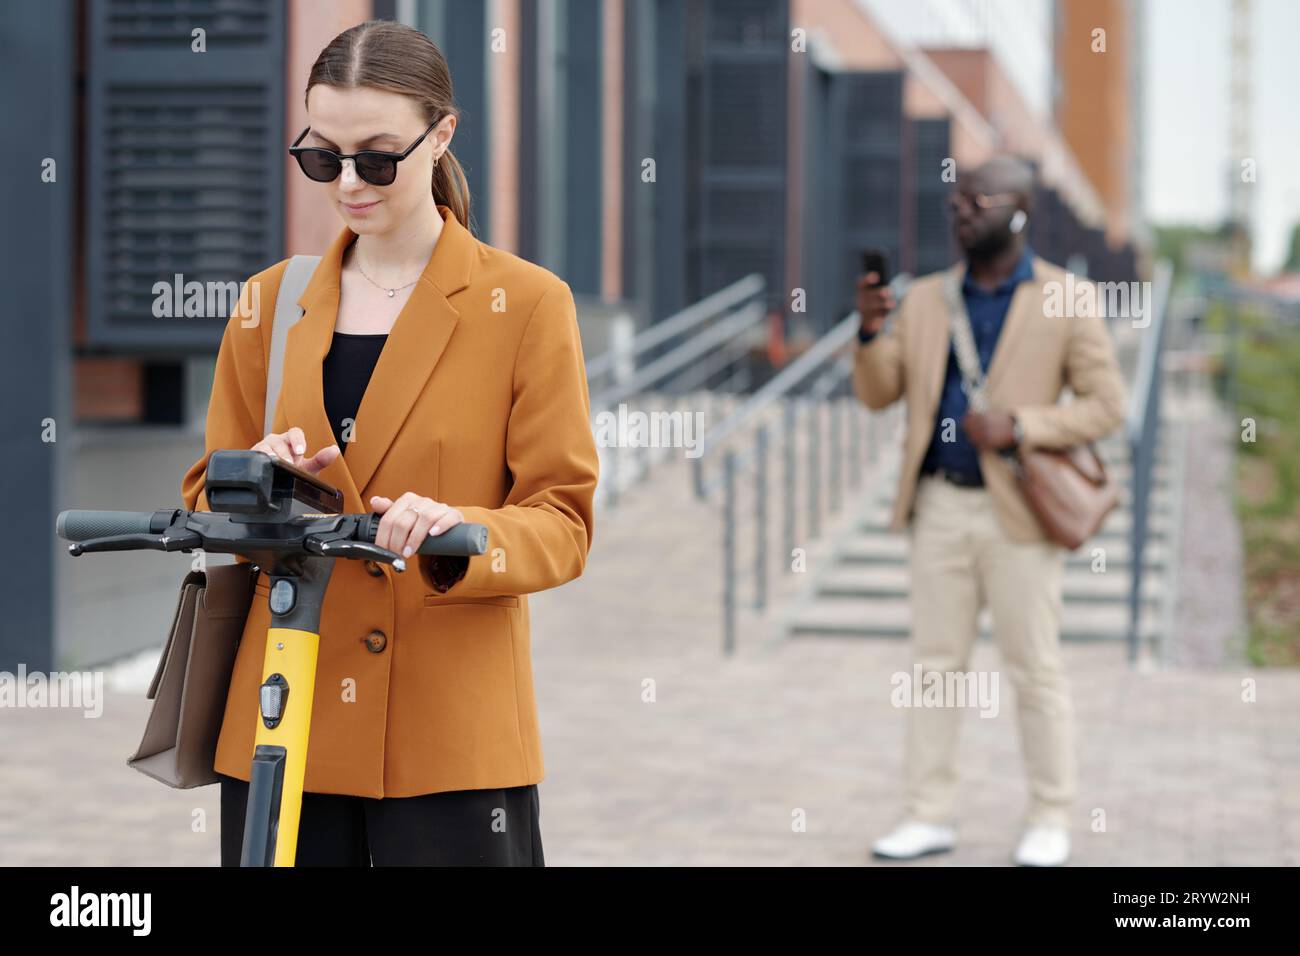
463,539
84,525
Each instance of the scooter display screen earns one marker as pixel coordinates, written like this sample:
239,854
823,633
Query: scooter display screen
255,483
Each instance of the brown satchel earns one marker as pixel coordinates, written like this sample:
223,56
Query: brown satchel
189,687
193,677
1069,491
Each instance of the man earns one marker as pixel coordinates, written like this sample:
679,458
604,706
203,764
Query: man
973,538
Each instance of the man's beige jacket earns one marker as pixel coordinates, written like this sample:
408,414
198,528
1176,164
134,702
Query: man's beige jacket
1045,346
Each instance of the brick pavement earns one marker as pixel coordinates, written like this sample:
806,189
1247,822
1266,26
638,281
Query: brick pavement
713,770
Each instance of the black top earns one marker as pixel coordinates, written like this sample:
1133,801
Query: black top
346,373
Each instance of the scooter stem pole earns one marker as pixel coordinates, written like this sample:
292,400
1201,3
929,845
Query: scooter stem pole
283,713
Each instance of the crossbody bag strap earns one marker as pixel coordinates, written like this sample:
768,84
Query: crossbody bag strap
963,342
287,313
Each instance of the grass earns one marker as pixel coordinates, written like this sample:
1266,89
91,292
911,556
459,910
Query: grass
1268,487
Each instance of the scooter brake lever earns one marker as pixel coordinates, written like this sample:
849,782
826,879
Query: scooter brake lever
347,548
183,541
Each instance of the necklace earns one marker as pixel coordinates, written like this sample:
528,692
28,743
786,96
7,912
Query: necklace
391,292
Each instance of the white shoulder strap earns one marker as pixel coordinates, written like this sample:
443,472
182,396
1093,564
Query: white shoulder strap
963,343
287,313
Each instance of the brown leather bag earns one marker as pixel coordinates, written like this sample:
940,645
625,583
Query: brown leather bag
1069,491
190,684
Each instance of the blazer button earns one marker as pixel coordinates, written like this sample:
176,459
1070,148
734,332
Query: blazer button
373,569
376,641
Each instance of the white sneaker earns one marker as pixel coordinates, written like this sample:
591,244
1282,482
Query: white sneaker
1043,846
912,839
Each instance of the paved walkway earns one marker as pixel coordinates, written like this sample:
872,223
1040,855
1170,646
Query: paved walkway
1210,620
731,751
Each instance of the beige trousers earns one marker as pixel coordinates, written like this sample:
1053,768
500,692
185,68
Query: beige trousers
960,562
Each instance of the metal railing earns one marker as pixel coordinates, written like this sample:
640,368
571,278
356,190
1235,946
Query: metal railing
607,365
1281,315
1142,431
821,378
705,346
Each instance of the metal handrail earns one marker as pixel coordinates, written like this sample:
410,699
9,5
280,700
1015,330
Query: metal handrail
783,383
829,370
1223,289
683,356
1142,430
705,351
697,313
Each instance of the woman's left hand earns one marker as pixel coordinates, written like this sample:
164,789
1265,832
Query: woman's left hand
406,522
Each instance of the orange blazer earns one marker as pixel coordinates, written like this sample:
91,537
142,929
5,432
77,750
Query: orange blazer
479,400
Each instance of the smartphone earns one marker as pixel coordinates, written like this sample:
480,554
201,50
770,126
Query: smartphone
875,260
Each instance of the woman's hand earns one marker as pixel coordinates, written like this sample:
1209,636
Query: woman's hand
407,521
291,446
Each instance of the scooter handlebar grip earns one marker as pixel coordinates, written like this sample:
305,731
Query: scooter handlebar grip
463,539
84,525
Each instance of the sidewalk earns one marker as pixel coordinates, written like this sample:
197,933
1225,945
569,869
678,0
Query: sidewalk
713,771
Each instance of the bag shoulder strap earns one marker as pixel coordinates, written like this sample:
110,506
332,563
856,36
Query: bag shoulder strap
287,313
963,342
963,339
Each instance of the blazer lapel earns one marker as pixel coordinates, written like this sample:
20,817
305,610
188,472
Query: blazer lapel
414,345
938,344
1024,302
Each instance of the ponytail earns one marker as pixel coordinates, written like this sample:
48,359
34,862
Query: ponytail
451,188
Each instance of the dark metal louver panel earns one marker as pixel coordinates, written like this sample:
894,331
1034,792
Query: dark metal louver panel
739,212
157,23
748,23
185,172
741,132
737,59
866,119
930,148
728,264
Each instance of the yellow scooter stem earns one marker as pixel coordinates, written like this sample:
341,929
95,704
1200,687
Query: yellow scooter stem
280,748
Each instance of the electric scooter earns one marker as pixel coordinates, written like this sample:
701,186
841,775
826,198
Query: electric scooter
285,519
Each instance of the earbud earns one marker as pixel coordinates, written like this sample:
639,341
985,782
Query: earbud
1018,220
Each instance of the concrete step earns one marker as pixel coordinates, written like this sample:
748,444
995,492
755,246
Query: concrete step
1119,524
872,548
890,617
892,581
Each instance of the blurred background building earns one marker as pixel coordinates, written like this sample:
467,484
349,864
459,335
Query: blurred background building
650,153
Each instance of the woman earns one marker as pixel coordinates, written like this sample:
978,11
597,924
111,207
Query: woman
452,373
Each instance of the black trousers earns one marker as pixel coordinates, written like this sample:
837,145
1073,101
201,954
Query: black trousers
455,828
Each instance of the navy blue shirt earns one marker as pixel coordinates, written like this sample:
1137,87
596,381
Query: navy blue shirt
987,311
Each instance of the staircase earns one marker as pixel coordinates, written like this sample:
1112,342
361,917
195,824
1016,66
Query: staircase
863,590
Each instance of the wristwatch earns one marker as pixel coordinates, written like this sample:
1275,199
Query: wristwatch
1017,432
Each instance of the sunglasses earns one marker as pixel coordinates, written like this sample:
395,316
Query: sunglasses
375,167
958,201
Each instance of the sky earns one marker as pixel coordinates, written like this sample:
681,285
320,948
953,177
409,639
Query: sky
1185,152
1019,32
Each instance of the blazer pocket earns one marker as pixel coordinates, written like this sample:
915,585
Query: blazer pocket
500,600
